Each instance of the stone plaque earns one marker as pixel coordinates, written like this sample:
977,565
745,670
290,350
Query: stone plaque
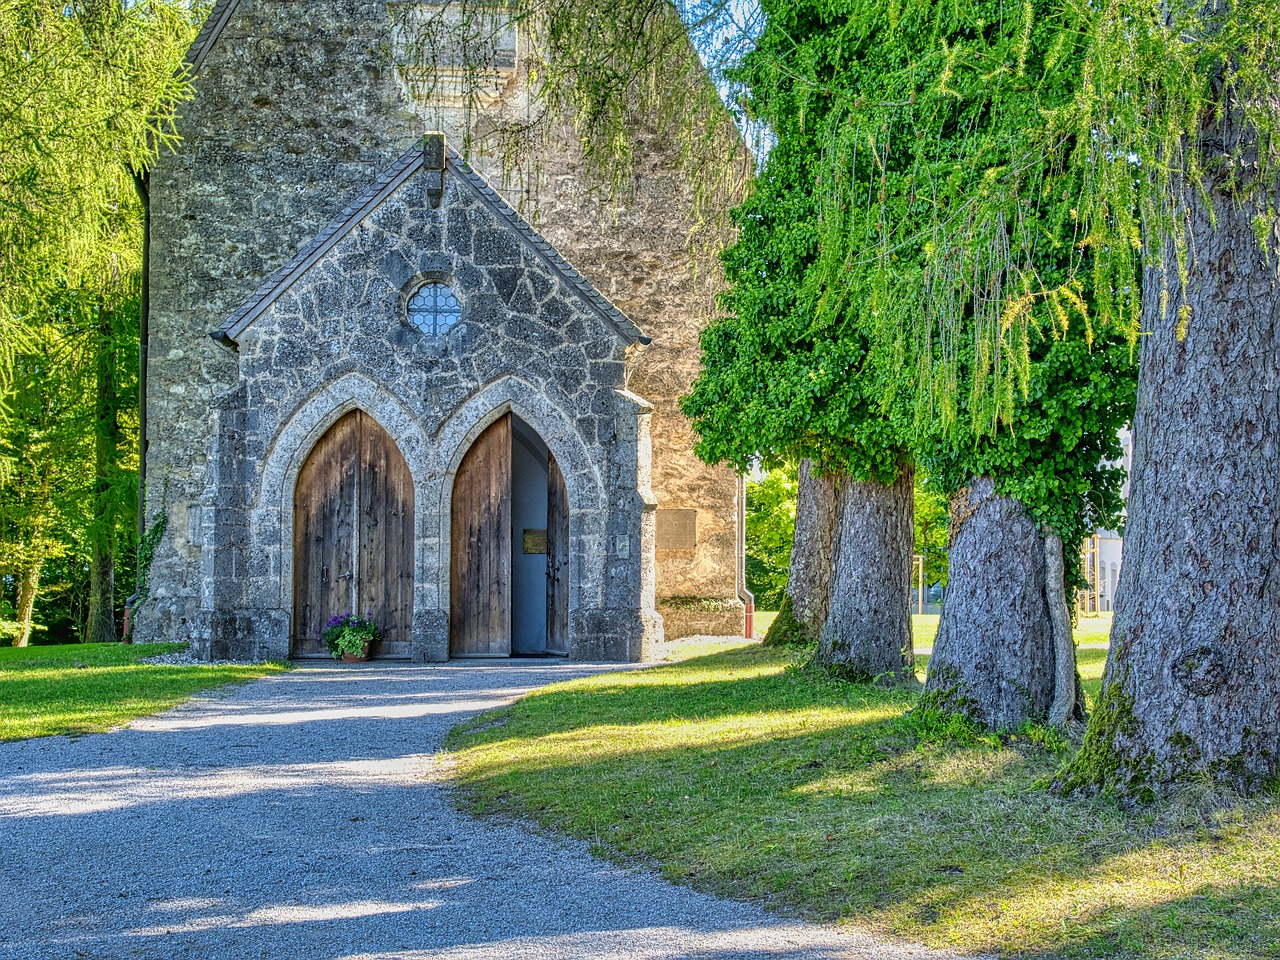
677,529
535,541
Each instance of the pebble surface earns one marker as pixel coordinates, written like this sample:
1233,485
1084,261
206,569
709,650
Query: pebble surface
307,815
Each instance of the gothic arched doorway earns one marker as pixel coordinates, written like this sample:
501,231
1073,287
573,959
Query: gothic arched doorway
353,537
509,572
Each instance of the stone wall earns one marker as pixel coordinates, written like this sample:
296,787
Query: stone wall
297,109
295,112
528,342
636,252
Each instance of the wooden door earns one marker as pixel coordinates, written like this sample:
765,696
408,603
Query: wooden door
353,537
384,567
480,574
557,560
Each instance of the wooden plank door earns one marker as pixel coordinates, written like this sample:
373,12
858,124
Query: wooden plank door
353,537
324,535
557,560
384,567
480,574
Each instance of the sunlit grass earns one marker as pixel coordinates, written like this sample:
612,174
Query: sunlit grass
92,687
744,774
924,628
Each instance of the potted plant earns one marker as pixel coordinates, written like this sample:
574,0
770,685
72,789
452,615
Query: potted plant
349,638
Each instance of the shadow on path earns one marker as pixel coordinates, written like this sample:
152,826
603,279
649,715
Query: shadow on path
304,816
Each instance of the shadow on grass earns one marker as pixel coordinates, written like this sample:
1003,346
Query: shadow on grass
815,796
1238,923
692,690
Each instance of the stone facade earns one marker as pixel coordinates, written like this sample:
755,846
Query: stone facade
335,339
297,112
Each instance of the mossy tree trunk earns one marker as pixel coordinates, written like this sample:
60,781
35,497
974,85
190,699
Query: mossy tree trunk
813,548
28,577
867,631
994,659
1193,678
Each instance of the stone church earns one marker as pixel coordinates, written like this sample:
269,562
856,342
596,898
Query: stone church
386,379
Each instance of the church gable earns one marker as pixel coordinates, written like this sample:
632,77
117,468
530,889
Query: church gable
457,226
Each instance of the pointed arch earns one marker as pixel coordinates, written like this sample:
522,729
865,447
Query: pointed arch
579,467
273,506
353,537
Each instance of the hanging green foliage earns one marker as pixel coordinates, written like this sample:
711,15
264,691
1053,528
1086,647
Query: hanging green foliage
88,91
907,279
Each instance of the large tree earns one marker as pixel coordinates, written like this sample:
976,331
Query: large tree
915,235
87,94
1023,499
778,386
1186,170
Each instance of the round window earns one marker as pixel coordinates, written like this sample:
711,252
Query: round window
434,308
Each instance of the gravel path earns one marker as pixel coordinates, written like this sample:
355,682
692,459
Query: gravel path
303,816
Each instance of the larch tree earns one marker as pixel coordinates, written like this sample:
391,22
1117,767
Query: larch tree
925,255
1185,102
88,92
1022,501
48,453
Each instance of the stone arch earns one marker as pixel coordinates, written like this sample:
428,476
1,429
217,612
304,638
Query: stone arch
584,489
272,514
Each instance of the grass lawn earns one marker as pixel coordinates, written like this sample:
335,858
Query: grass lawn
91,687
744,774
924,627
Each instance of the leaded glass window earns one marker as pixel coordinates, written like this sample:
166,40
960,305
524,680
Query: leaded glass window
434,309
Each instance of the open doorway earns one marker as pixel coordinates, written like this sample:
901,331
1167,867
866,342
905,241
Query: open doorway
510,530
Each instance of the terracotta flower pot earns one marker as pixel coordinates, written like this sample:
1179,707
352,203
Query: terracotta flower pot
352,658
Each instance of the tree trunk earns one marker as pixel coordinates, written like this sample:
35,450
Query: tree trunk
867,631
1067,710
101,624
28,586
808,595
1193,677
994,658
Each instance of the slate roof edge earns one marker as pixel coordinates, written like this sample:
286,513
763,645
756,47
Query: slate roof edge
209,33
387,183
549,255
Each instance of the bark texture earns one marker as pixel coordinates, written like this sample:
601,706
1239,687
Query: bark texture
867,631
813,549
994,658
1066,711
1193,681
28,587
101,622
100,626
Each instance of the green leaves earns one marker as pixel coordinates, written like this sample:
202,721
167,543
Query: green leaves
908,275
88,91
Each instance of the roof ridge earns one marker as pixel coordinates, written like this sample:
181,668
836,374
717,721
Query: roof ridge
379,190
209,33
